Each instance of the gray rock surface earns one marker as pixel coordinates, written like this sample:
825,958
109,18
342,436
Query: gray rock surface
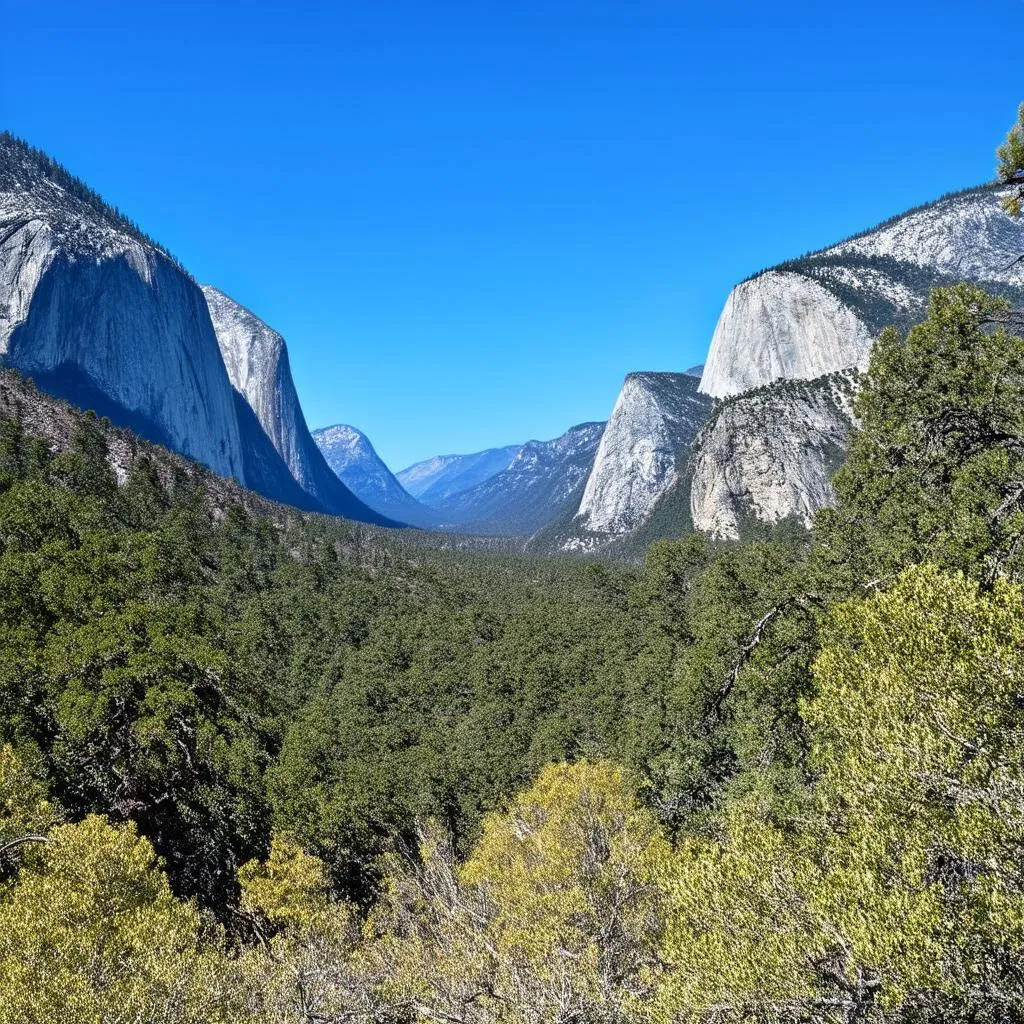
85,298
655,419
770,454
100,315
820,313
256,359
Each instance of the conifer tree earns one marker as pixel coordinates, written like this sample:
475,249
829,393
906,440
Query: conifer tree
1011,165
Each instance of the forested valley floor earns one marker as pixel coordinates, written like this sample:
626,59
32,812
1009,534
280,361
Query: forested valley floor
255,772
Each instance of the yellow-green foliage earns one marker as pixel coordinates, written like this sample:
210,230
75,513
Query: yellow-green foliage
307,964
288,889
548,919
918,736
900,877
551,863
24,809
91,933
740,936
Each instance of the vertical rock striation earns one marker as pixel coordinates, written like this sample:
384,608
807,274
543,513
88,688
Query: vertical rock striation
97,313
256,359
100,315
769,454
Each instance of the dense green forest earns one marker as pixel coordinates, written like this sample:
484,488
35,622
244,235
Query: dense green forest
250,772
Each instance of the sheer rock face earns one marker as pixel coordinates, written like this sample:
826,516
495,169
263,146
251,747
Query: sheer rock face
88,306
654,421
781,325
354,460
98,314
543,481
256,359
770,454
820,313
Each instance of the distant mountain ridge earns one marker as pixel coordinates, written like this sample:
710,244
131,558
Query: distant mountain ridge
538,485
433,480
354,460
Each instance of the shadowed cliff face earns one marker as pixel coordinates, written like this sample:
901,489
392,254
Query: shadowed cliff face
256,359
86,301
135,327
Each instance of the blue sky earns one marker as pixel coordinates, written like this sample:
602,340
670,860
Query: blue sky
471,219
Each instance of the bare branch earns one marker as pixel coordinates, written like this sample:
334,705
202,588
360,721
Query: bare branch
22,839
713,711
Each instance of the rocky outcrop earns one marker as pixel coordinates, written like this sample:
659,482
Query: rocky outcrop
98,314
967,235
788,342
354,460
781,325
770,454
820,313
256,360
647,439
544,480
